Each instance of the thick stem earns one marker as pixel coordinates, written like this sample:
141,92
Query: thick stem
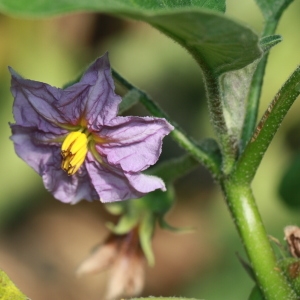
249,161
244,211
255,89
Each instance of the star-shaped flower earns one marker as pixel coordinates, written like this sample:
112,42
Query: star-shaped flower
74,139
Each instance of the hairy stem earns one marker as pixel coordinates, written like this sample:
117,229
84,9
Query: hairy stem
228,145
249,161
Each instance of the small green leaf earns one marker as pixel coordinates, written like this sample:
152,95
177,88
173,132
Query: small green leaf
289,188
8,291
267,42
272,9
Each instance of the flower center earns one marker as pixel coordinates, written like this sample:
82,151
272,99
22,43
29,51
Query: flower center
73,151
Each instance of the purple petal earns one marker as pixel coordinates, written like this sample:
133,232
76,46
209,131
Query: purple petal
93,97
113,184
110,184
45,159
145,183
68,189
28,147
34,104
136,141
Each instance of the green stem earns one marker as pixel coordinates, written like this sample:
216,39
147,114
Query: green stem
250,159
255,89
244,211
228,144
175,168
200,153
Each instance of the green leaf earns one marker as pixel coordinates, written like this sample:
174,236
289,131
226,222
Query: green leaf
8,291
41,8
289,188
217,42
272,9
235,87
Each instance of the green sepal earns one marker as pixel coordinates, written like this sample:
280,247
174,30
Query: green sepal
164,225
267,42
115,208
8,290
159,202
126,223
146,230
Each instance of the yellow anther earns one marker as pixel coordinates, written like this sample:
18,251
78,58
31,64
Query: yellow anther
73,151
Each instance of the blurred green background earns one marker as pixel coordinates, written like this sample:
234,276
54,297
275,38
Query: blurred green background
43,240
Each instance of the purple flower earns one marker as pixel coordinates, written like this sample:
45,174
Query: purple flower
74,139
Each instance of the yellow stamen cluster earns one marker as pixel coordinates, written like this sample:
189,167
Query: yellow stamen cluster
73,151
